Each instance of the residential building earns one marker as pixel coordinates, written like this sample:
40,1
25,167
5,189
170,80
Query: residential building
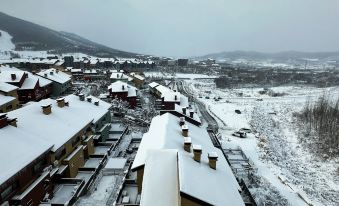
123,91
182,62
137,79
177,165
8,97
119,76
54,134
60,80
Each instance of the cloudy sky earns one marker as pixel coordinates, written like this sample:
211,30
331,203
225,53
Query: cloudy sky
190,27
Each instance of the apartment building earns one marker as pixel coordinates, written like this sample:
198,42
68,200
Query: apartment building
177,164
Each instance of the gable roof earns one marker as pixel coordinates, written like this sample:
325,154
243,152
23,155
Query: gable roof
5,87
198,180
55,75
120,86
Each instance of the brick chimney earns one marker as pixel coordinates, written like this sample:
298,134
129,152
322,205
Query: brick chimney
46,109
182,121
12,122
212,159
96,103
191,114
184,129
61,102
187,144
13,76
184,110
82,97
3,120
89,99
197,151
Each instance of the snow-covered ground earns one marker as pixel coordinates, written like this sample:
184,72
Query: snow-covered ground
275,149
176,75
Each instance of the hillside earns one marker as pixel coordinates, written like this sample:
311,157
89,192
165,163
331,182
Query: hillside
30,36
280,56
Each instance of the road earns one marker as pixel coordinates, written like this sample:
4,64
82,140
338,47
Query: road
183,88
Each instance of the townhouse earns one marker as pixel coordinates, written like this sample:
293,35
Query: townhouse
137,79
177,165
31,87
124,92
8,97
45,139
61,81
119,76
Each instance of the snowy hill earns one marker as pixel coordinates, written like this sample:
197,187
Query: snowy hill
30,36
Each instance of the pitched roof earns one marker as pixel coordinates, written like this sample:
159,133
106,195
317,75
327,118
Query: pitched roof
198,180
55,76
5,87
119,86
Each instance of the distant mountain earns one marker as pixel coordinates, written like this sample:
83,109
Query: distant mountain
30,36
282,56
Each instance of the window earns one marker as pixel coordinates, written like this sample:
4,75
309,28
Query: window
75,141
9,190
60,152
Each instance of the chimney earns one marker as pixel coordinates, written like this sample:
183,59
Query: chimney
96,103
184,129
61,102
212,160
175,97
13,76
57,70
184,110
187,144
82,97
197,150
182,121
191,114
45,74
51,72
12,122
123,87
89,99
3,120
46,109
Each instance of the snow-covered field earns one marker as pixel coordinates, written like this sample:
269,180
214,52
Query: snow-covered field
275,149
176,75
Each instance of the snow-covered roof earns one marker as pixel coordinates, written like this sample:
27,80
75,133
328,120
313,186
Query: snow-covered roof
118,75
119,86
76,70
5,99
116,163
5,75
5,87
161,172
90,71
178,108
153,84
18,149
196,179
137,76
70,120
55,75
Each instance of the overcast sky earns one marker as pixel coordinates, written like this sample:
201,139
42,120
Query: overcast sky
190,27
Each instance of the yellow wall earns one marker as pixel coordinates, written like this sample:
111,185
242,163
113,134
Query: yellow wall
187,202
75,162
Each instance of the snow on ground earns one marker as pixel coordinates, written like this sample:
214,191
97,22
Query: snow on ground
177,75
6,43
277,154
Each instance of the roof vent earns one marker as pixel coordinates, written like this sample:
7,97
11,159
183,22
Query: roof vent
184,129
187,144
212,159
81,97
123,87
46,109
51,72
89,99
197,151
184,110
175,97
96,103
45,74
13,76
191,114
61,102
182,121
